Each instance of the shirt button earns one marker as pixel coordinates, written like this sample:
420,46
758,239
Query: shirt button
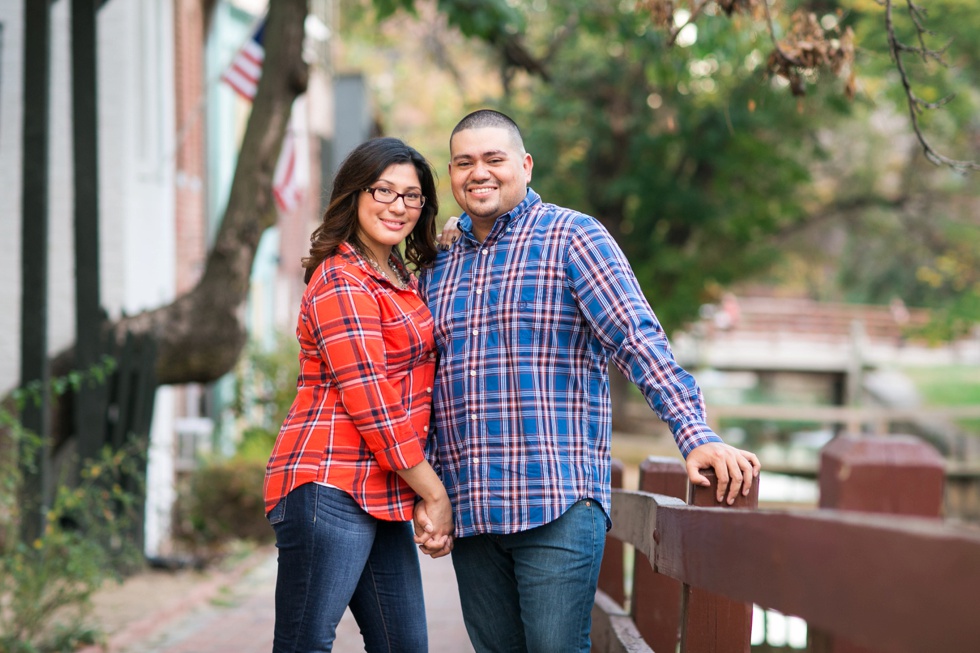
426,428
473,417
475,332
472,372
476,460
429,390
479,291
485,252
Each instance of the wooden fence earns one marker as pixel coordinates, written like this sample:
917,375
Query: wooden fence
900,581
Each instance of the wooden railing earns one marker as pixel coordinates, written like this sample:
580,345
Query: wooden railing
823,319
880,420
901,581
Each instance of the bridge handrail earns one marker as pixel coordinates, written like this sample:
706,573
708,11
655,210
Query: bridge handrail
888,582
894,584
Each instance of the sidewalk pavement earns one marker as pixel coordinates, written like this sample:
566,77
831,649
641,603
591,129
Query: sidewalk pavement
232,611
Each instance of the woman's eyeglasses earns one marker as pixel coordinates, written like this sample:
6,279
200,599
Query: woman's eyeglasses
412,200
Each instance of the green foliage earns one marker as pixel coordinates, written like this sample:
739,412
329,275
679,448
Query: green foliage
691,158
485,19
949,386
222,503
73,381
952,25
932,263
711,174
265,385
46,585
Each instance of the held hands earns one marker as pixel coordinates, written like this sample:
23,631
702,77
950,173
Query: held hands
736,469
433,522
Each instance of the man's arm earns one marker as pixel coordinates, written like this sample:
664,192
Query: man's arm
610,299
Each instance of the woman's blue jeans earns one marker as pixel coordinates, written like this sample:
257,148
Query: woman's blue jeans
333,554
533,591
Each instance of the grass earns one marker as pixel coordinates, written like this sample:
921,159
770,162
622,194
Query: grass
949,386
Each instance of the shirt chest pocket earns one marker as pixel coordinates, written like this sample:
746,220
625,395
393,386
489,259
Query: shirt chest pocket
406,328
540,302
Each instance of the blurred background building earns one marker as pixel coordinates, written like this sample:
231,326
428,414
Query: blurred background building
169,131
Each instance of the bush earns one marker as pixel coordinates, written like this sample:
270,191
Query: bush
222,502
46,585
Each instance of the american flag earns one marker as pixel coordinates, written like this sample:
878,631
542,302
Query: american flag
246,68
243,75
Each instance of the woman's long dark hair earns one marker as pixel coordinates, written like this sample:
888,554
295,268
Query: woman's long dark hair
362,167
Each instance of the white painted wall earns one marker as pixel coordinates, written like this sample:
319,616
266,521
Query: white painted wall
11,124
60,261
136,170
136,144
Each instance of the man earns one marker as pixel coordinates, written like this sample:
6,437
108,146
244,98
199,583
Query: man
530,304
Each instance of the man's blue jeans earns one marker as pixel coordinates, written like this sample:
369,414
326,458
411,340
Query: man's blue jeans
333,554
532,592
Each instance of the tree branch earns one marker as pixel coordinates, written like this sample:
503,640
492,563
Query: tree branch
807,48
917,105
675,30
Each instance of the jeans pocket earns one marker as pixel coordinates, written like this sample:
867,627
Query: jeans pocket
277,514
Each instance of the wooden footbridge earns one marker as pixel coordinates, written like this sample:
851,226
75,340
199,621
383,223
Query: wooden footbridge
789,335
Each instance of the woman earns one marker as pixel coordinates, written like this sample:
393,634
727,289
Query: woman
348,464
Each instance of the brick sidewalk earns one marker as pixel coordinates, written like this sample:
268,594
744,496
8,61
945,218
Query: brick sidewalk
234,613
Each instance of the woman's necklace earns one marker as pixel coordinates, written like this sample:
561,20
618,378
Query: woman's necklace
400,282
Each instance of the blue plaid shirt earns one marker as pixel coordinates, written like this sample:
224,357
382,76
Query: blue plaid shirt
525,324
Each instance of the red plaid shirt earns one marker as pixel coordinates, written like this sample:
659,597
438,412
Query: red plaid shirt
364,393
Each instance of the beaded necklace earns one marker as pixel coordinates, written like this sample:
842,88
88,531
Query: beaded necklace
401,282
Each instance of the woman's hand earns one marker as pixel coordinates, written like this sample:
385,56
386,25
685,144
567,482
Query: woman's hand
433,521
450,233
433,517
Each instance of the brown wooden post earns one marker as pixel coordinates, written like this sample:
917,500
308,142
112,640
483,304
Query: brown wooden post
611,578
655,603
898,474
711,623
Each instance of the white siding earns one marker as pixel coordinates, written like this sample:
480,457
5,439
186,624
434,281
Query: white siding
135,80
11,124
136,161
137,154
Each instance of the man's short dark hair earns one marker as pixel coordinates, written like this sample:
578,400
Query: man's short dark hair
482,118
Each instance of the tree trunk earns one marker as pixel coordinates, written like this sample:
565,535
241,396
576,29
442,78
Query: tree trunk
202,333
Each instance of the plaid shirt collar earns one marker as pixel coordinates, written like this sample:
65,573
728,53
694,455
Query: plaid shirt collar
513,216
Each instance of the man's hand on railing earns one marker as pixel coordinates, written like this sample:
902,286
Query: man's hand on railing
736,469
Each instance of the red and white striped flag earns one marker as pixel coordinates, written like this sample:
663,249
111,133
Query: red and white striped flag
291,175
245,69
